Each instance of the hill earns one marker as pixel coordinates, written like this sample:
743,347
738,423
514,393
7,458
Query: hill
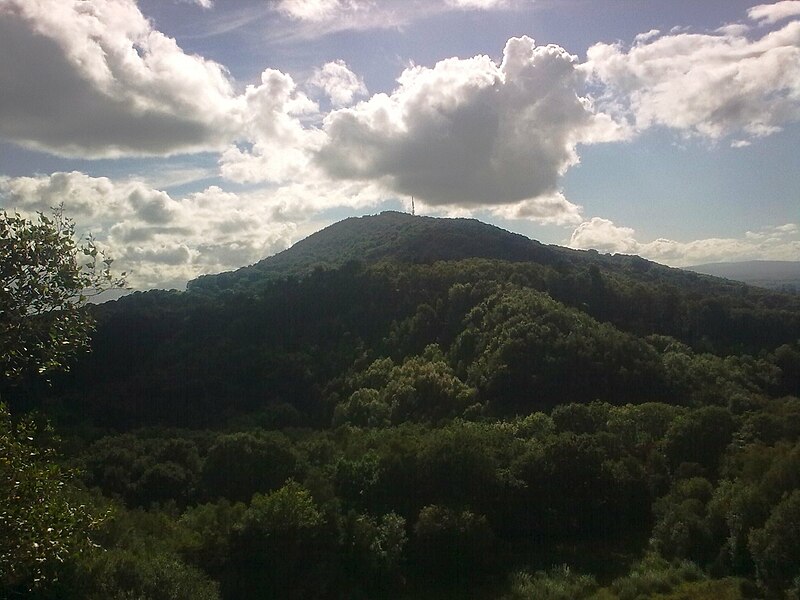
280,333
406,407
406,239
771,274
387,236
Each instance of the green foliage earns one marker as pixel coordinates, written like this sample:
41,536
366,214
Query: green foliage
119,574
364,408
534,425
287,512
639,427
557,584
281,547
528,408
453,545
356,479
682,530
581,418
371,551
570,485
724,589
699,436
776,546
45,279
209,528
422,388
43,525
142,470
654,575
524,350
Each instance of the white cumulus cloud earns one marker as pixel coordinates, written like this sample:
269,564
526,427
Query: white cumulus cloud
159,240
280,145
707,85
771,243
768,14
338,82
470,132
94,78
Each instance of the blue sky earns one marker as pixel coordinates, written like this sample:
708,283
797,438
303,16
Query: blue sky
195,136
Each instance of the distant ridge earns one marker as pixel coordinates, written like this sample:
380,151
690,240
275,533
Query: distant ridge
781,275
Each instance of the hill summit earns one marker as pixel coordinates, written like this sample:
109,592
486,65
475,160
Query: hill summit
389,235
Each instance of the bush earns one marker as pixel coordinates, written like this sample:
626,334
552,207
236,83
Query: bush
556,584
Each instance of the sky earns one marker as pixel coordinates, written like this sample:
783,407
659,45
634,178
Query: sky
198,136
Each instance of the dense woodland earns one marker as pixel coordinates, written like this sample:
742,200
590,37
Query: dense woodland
404,407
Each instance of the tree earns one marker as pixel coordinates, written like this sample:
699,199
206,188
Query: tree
42,527
776,547
452,545
46,278
240,464
282,547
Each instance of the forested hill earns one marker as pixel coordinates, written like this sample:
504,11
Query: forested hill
400,237
507,313
387,236
404,407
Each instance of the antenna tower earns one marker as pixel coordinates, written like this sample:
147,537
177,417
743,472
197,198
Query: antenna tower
413,211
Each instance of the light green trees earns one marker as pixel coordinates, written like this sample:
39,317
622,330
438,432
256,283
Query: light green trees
46,278
41,525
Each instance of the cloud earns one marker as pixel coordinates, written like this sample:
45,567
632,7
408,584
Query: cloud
478,4
470,132
546,210
338,82
280,145
602,234
161,241
644,37
201,3
768,14
770,243
311,10
705,85
95,79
